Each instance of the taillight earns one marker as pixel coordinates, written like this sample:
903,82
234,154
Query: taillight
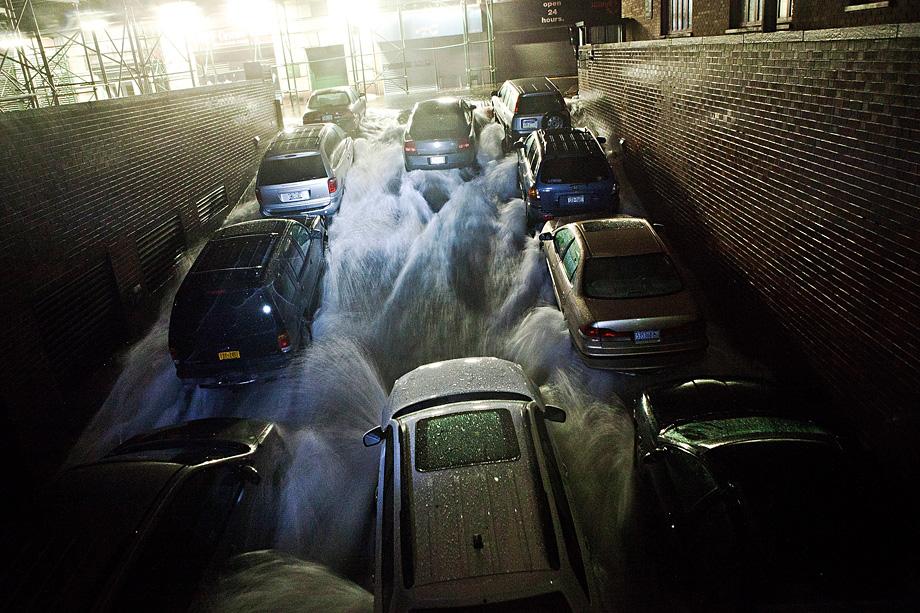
532,193
409,146
516,105
258,195
333,185
464,143
284,342
594,332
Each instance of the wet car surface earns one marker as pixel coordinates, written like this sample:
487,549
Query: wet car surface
440,133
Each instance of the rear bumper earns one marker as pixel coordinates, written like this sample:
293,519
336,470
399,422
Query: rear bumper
634,356
316,207
421,161
239,373
536,213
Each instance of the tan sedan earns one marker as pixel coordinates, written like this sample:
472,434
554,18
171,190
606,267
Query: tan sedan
623,299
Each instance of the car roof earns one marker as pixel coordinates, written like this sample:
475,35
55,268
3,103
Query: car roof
451,380
568,142
619,236
337,88
508,510
534,85
445,103
298,139
253,244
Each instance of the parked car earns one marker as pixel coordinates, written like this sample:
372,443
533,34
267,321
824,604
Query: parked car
565,172
243,308
758,500
440,134
304,171
624,301
471,506
342,106
145,526
524,105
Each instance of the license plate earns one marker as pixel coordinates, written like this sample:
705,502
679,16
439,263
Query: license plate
295,196
529,124
327,117
228,355
647,336
576,199
437,159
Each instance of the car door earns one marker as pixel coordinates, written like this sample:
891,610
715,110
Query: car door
309,277
569,266
562,240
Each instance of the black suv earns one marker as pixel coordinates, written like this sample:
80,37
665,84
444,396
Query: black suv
524,105
565,172
241,309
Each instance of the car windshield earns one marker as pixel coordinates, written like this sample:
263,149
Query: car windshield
464,439
278,171
631,276
713,432
328,99
540,103
574,170
437,124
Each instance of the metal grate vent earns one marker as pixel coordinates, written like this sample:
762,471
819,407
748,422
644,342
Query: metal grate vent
211,203
159,248
80,318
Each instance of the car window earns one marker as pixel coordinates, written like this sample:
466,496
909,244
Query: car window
284,284
541,103
294,257
434,123
278,171
562,240
465,439
631,276
534,159
571,259
328,99
302,236
575,170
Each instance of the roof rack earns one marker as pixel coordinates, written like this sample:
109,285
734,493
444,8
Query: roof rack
566,142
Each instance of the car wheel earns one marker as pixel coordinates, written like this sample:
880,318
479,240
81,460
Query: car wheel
551,121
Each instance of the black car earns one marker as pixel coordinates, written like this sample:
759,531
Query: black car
144,527
521,106
243,309
440,134
757,501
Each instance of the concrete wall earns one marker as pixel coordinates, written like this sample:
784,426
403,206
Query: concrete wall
791,163
98,200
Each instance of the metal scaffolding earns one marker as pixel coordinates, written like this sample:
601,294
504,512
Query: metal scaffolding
54,52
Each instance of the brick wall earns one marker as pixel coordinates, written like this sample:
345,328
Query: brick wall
97,200
790,163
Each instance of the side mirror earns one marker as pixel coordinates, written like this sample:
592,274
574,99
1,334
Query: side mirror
659,227
554,413
601,140
655,455
518,144
373,437
494,93
546,236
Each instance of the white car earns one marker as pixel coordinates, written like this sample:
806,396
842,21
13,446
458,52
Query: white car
471,506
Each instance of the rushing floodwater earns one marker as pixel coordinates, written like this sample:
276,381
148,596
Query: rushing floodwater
421,266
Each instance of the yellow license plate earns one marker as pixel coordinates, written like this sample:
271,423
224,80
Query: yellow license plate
228,355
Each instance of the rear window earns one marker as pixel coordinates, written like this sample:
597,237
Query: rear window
540,103
574,170
291,170
465,439
431,124
325,100
632,276
236,252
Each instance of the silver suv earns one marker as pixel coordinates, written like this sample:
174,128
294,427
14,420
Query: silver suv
524,105
303,172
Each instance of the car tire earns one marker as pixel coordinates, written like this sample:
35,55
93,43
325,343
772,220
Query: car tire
551,121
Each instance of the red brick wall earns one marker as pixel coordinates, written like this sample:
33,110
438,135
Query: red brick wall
791,163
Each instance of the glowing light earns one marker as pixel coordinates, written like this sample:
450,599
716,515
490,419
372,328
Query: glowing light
266,309
361,13
251,16
14,42
178,20
94,22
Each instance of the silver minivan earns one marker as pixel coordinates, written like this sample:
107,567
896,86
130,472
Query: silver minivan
303,172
